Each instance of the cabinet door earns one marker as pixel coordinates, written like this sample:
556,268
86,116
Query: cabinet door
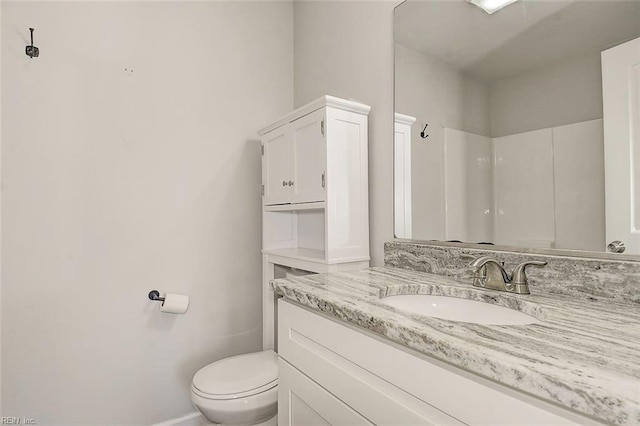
309,158
301,401
276,166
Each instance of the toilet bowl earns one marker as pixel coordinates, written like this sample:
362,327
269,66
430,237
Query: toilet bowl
240,390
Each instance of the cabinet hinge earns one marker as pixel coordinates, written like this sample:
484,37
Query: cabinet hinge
322,127
262,189
324,180
261,149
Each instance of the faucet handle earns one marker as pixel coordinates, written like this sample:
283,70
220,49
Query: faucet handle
519,282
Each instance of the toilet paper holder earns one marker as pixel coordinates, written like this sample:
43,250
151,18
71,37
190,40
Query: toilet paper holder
171,303
155,295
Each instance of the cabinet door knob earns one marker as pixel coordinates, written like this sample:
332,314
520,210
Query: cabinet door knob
290,183
284,183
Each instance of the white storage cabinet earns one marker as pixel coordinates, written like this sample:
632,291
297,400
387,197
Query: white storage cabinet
315,214
315,183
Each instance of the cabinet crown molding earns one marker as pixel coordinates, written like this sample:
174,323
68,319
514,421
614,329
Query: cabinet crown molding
404,119
323,101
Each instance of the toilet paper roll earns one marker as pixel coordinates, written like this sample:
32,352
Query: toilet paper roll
175,303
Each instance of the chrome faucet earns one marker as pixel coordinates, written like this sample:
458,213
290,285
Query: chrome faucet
489,273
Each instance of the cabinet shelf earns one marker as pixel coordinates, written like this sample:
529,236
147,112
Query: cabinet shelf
310,255
295,207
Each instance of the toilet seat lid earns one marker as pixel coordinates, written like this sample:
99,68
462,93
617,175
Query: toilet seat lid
238,374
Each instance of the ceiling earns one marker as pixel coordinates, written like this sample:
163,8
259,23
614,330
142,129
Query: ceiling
525,35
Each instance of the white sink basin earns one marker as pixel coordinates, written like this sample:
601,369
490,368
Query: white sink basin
456,309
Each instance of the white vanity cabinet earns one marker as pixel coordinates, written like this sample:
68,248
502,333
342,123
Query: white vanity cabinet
315,213
332,373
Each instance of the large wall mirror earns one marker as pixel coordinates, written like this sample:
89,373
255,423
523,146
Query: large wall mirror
502,133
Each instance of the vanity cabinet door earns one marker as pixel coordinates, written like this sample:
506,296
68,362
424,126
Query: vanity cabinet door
276,166
302,402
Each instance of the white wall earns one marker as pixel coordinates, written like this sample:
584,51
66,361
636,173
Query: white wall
564,93
441,96
345,49
131,162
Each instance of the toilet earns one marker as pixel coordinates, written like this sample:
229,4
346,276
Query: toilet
239,390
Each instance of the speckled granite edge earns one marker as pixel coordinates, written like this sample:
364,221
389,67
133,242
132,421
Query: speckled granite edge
573,276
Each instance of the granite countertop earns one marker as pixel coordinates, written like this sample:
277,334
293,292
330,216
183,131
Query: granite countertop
584,353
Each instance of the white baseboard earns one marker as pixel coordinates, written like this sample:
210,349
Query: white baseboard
192,419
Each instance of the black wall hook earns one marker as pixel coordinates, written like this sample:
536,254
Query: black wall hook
423,133
32,51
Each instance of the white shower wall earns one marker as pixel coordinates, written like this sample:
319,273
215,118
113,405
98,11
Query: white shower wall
578,161
469,200
550,187
525,189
